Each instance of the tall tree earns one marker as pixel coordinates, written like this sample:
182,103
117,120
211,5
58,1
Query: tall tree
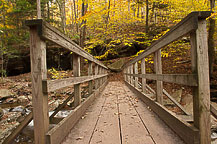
211,39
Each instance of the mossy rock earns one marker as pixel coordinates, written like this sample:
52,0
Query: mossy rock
117,66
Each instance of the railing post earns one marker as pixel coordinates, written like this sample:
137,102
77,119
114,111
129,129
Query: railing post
143,72
96,73
77,73
158,70
39,99
90,72
200,66
128,71
136,72
131,72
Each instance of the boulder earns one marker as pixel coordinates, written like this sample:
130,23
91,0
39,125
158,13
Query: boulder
5,93
187,101
117,66
176,95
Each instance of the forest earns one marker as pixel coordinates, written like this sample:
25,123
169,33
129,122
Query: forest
114,32
107,29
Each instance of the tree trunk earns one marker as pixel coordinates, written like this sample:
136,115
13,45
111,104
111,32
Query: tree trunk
138,9
211,39
83,24
147,11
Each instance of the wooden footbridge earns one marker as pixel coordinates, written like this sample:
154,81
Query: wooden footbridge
121,112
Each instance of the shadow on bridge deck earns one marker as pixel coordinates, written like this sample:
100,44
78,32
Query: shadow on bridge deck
117,116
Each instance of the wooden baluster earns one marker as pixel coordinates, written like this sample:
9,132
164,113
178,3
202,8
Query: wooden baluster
128,77
136,72
131,72
96,73
100,72
143,72
158,70
200,66
77,73
90,72
39,99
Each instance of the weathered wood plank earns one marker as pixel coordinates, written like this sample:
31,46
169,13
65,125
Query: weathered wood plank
52,85
131,77
136,72
203,97
77,73
49,32
213,111
158,70
158,130
132,129
39,99
107,129
184,27
90,72
58,133
96,73
188,133
82,131
184,79
143,71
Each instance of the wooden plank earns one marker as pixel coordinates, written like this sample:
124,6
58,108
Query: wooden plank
46,31
136,72
59,132
202,100
187,25
158,70
188,133
39,99
175,102
90,72
158,130
107,129
52,85
96,73
183,79
77,73
131,72
18,129
213,111
132,128
143,71
83,130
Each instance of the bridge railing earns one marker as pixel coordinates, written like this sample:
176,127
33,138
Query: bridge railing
195,26
40,32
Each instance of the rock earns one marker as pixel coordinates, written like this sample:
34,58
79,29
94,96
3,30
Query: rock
176,95
5,93
186,99
189,107
22,99
116,66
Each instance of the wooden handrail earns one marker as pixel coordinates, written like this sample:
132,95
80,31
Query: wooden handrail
194,25
40,32
48,32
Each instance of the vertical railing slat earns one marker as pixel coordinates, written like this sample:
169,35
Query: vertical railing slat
158,70
39,99
77,73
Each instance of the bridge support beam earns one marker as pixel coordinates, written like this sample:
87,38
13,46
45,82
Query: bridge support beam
200,67
77,73
39,73
158,70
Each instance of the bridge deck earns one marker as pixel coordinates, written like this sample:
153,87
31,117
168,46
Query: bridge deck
117,116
